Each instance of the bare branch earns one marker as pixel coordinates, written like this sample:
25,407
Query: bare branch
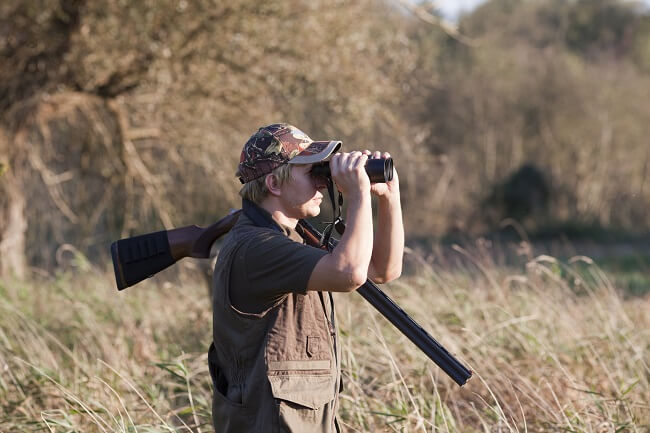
443,25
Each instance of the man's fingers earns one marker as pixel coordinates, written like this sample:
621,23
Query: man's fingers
358,160
376,154
348,161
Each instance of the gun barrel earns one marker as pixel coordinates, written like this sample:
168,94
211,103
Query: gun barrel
414,332
402,321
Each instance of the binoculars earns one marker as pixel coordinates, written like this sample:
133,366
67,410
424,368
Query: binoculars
379,170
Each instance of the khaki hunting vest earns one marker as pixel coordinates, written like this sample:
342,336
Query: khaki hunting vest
275,371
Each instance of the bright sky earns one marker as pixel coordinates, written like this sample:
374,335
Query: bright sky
452,8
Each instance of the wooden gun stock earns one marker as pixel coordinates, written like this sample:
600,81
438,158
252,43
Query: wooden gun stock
140,257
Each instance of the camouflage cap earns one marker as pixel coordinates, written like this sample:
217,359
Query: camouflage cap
273,145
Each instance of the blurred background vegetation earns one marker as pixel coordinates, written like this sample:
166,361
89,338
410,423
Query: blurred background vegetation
524,120
118,117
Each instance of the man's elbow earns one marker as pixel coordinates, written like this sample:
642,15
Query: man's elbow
358,278
397,271
351,280
387,276
393,275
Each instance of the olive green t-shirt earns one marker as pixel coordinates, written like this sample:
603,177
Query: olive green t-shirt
269,265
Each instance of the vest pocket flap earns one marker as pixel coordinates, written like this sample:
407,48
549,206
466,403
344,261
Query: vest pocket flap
309,391
300,365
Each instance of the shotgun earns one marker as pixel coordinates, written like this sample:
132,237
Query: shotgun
140,257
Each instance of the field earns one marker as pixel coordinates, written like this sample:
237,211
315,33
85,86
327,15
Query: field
554,345
525,120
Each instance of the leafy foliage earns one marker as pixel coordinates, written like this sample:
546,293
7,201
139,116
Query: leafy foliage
122,117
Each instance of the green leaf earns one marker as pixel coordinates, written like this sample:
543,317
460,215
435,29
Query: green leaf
629,388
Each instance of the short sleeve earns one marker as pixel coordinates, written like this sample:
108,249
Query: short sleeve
268,266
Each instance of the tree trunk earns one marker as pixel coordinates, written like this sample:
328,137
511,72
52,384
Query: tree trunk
12,229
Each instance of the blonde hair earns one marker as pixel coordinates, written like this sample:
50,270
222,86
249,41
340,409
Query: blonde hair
256,189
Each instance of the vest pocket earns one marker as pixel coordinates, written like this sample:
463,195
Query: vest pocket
303,402
307,391
227,414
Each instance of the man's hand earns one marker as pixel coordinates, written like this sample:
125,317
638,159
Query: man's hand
349,173
346,267
389,188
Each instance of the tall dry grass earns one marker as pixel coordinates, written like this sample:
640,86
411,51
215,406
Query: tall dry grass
554,347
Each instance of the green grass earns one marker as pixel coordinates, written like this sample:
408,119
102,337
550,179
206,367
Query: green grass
630,272
555,346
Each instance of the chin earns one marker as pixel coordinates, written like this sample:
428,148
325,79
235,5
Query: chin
315,211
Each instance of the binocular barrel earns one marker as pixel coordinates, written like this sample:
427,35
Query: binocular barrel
379,170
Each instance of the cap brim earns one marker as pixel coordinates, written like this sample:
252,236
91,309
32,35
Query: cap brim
317,151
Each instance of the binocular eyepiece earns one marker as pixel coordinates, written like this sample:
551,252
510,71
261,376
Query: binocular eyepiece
379,170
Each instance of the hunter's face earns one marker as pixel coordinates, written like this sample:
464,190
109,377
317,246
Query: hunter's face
301,195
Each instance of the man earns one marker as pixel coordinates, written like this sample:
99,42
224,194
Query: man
275,359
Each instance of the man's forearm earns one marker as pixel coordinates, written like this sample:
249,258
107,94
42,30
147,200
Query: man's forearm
355,246
388,245
346,268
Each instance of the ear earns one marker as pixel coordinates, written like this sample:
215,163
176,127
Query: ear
272,184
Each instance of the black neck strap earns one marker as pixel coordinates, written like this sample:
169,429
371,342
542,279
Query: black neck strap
338,221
